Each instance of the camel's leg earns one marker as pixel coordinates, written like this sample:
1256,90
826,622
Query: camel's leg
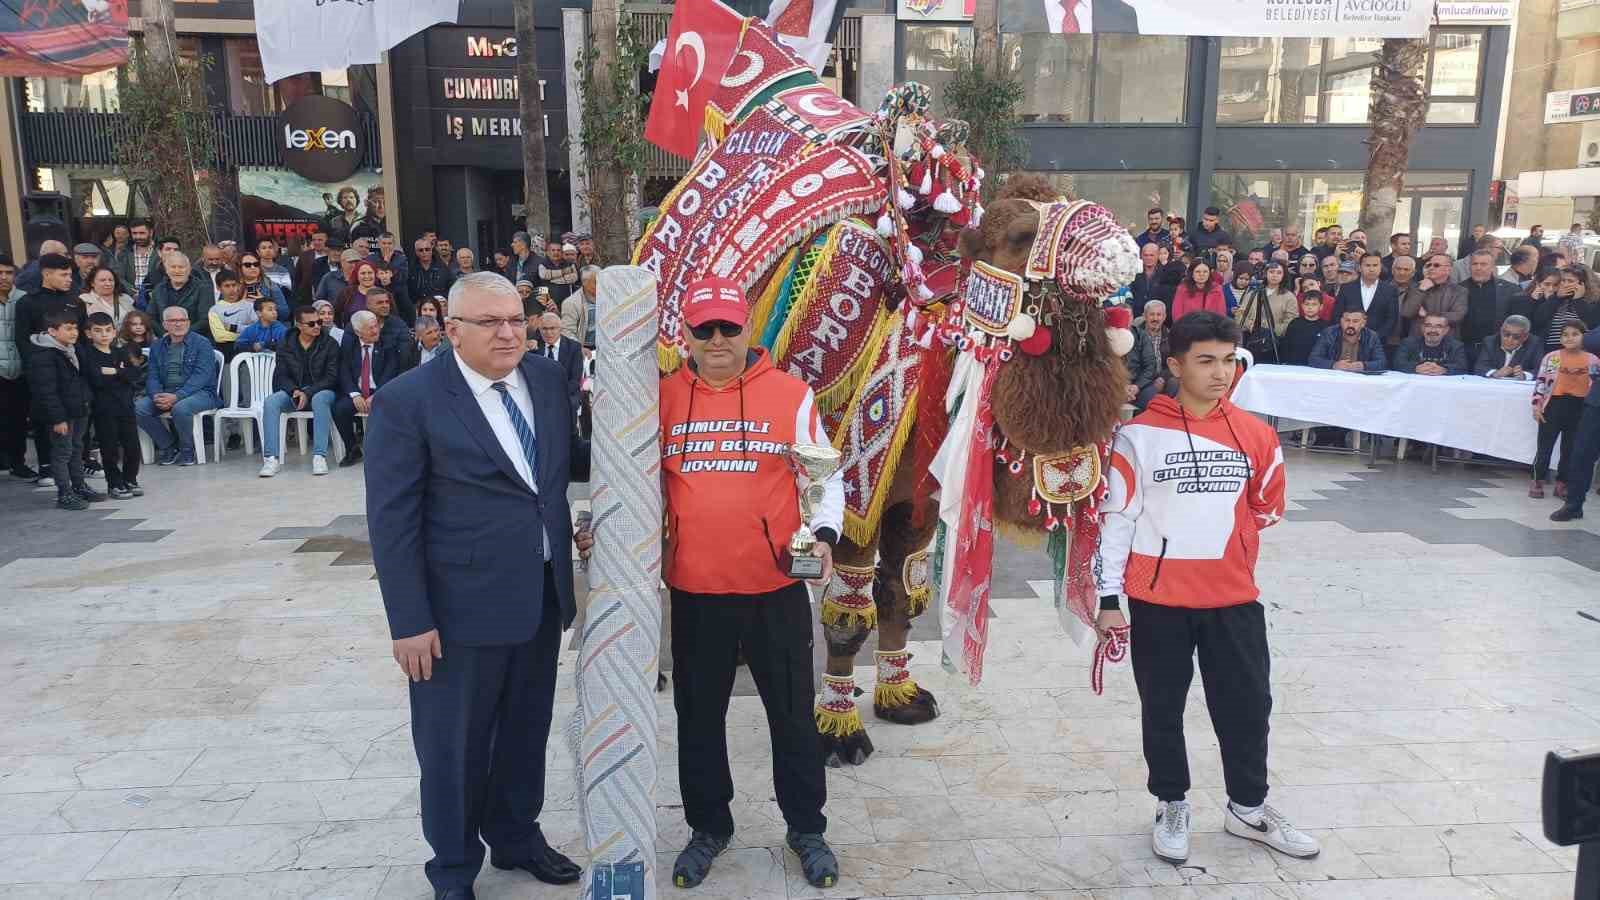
848,617
901,593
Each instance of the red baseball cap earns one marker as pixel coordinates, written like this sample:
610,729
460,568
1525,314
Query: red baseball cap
714,299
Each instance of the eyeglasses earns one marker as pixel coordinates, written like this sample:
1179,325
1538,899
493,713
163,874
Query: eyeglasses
704,332
495,323
311,324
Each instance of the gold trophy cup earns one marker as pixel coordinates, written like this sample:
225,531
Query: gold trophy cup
818,462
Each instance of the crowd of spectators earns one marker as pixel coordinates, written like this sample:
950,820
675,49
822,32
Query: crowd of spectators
1485,310
98,343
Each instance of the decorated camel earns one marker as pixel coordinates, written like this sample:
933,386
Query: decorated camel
952,350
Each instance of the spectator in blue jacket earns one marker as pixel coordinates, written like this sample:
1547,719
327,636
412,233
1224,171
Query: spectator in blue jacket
182,381
1349,346
1433,352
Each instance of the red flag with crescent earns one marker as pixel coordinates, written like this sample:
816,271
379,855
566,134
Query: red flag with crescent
700,42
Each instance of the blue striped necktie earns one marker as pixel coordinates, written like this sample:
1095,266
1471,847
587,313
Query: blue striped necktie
530,445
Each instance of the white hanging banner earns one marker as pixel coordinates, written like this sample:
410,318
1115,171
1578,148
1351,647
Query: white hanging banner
1221,18
298,36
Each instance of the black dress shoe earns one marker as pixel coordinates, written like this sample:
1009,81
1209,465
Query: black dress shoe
545,864
351,457
455,893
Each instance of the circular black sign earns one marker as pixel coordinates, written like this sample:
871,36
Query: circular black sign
321,139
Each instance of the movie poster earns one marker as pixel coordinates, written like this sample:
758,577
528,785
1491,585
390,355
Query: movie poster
279,204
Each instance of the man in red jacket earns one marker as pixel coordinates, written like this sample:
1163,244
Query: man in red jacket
1193,481
728,419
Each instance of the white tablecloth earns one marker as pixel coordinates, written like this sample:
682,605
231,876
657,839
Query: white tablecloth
1484,415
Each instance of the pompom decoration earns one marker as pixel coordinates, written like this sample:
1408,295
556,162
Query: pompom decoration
947,203
1119,317
905,199
1021,328
886,225
1037,343
925,186
937,151
914,253
1035,507
1121,340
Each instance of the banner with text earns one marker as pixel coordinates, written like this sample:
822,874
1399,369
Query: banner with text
1223,18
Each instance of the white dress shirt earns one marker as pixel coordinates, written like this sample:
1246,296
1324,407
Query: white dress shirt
1368,292
494,410
1055,11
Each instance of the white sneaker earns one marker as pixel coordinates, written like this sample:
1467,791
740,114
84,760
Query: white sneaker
269,467
1268,826
1171,835
319,465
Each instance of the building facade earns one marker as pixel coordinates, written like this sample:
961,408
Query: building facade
1550,163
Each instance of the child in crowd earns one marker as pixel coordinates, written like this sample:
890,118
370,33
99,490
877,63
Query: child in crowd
266,332
1563,381
230,315
1301,335
61,400
115,373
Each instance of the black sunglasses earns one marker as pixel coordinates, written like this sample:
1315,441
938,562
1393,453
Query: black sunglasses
704,332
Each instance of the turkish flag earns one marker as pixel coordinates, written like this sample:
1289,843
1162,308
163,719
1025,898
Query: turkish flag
700,43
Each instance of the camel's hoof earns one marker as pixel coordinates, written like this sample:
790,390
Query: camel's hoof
850,750
922,708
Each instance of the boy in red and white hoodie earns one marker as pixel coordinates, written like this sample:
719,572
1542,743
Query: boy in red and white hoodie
1193,480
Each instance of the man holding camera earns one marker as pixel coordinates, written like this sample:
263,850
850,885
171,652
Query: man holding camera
729,423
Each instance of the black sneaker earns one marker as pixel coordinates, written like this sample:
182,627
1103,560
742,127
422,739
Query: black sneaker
70,500
118,493
92,469
817,861
350,458
21,470
135,489
694,863
168,457
88,493
1566,514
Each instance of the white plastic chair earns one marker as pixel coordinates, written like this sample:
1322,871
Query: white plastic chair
260,366
147,449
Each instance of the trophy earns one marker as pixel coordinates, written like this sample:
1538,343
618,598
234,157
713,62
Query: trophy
817,461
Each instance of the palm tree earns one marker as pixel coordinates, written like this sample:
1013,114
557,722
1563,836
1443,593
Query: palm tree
535,180
1397,110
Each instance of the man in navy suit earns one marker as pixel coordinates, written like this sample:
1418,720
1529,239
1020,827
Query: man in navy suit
1086,17
467,481
567,353
1373,296
366,362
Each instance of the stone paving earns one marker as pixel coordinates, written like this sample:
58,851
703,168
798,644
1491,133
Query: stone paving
201,703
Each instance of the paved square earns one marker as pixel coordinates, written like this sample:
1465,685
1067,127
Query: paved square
201,703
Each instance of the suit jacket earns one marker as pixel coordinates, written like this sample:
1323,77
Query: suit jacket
569,356
1110,16
1384,314
1443,299
1492,356
388,361
456,533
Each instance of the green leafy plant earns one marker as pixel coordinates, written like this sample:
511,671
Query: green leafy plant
611,132
988,102
167,139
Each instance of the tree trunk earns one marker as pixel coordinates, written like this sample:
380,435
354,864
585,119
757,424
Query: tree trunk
1397,110
535,178
986,35
169,165
608,183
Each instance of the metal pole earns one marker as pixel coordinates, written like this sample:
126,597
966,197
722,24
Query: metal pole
613,733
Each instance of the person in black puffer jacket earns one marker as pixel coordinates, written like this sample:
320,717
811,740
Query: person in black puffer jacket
306,378
61,402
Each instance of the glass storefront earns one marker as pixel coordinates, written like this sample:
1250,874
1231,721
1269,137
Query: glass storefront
933,53
1328,81
1127,194
1112,78
1254,203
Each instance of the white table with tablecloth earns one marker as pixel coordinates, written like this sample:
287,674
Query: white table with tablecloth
1484,415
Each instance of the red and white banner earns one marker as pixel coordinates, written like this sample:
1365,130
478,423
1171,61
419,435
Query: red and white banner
700,43
62,39
803,25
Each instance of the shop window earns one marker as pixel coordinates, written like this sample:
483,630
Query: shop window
1113,78
933,53
1329,81
94,93
1127,194
1254,203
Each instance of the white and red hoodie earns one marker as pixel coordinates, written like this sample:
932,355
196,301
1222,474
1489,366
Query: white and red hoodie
1188,498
